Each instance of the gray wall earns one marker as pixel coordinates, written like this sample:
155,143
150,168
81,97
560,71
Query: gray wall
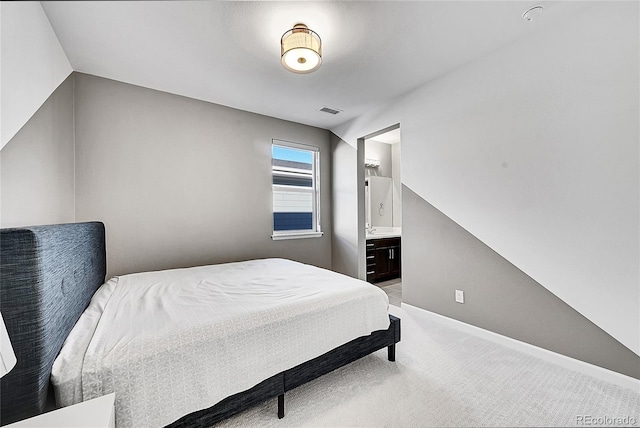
37,165
344,239
439,256
180,182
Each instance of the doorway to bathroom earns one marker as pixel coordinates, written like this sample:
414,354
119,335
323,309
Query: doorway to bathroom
383,212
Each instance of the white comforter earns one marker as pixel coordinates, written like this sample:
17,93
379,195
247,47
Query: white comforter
172,342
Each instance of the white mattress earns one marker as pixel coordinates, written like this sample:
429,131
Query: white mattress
172,342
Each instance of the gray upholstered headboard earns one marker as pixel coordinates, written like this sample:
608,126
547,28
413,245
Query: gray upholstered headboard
48,275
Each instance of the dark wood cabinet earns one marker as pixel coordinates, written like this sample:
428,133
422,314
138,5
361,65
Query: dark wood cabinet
394,262
383,259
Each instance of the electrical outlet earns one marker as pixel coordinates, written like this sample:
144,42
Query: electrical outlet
459,296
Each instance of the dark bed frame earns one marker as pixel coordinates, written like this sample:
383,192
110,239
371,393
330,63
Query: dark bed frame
48,275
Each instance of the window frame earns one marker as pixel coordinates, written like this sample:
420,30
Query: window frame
316,232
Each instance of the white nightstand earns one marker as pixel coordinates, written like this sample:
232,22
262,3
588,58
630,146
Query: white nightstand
98,413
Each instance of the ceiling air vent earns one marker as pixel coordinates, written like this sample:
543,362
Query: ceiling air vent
330,110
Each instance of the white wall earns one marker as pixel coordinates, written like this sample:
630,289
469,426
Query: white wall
380,203
33,64
381,152
396,169
534,150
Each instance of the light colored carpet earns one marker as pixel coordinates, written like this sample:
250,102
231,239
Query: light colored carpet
444,377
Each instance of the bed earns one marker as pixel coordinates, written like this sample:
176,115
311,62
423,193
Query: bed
51,274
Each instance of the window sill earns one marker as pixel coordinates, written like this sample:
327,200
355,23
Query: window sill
296,235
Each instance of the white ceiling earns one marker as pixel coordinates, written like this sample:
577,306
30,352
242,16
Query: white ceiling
229,52
389,137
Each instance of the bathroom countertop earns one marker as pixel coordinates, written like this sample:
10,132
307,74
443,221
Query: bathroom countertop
384,232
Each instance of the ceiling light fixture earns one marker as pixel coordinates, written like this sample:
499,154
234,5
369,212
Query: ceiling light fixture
301,49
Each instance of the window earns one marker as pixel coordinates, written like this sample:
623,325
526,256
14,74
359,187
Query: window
296,190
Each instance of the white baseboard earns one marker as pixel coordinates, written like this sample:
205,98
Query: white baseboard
597,372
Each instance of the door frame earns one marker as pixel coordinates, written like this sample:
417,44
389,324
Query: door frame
362,237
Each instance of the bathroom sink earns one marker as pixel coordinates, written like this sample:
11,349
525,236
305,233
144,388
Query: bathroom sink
383,232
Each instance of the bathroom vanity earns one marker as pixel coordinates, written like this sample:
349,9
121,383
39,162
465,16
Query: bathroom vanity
383,255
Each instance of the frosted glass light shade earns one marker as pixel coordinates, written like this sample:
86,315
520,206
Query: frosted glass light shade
301,49
7,357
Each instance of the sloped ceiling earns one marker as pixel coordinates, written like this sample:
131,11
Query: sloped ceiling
33,64
229,53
